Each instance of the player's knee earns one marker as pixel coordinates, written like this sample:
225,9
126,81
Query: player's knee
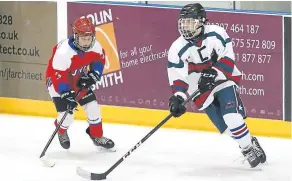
233,119
232,116
216,117
231,107
230,102
220,124
68,119
93,114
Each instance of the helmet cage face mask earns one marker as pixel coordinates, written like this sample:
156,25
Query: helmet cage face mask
78,38
190,28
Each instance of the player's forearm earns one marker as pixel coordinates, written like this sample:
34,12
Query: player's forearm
98,67
179,87
177,81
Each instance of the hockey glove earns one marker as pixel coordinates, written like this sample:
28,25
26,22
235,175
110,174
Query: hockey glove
88,80
175,106
207,80
69,97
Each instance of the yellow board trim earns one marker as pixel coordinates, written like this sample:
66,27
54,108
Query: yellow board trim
144,117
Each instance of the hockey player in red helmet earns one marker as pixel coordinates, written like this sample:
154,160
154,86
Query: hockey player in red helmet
77,63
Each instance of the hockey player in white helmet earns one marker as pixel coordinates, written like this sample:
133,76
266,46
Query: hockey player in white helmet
203,58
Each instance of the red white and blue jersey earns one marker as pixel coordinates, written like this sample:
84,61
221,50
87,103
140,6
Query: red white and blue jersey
186,60
68,64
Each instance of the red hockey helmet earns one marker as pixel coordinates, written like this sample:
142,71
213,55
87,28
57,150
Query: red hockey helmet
84,33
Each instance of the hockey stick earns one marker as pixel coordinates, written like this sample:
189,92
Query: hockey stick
47,162
96,176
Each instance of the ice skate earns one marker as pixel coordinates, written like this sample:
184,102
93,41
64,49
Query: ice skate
102,142
259,150
250,154
64,140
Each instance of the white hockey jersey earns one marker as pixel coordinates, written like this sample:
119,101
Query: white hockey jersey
186,60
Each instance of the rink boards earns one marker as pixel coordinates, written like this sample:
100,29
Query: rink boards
132,94
144,117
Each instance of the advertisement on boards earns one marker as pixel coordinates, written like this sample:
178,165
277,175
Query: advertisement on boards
27,36
136,40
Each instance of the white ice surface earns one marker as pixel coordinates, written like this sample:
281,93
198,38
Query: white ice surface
169,155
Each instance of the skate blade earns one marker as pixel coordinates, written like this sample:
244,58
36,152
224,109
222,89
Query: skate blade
102,149
246,165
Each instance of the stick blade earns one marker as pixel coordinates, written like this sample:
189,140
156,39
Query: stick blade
90,176
46,162
83,173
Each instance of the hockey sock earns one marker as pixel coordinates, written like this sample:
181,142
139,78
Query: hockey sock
62,129
238,128
96,130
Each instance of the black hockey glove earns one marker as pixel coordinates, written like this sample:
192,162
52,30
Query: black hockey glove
88,80
207,80
69,97
175,106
